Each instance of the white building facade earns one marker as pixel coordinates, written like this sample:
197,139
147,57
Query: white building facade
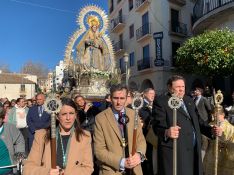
13,86
58,75
150,32
49,82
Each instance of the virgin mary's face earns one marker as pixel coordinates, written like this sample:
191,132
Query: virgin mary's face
67,117
94,28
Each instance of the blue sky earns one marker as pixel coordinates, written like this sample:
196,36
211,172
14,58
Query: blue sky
38,30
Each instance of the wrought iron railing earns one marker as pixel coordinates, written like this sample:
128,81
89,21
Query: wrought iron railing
143,30
144,63
203,7
139,3
119,45
178,27
116,21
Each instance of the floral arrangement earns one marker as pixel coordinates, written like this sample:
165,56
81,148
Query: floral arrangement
95,73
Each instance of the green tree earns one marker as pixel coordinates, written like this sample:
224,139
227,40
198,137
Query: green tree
211,53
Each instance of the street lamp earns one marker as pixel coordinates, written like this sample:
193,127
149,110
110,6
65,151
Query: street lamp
126,67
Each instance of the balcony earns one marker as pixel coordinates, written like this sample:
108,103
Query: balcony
141,5
145,63
144,32
203,7
119,47
117,24
206,12
178,2
178,28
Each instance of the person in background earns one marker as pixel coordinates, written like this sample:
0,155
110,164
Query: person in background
107,103
12,147
17,116
37,118
3,100
13,102
204,109
145,114
34,101
86,113
29,103
6,107
230,110
226,148
187,131
113,140
129,100
74,152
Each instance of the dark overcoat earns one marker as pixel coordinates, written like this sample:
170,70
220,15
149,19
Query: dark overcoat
188,152
35,122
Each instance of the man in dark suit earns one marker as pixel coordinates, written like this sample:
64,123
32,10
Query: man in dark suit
145,114
204,109
187,132
37,118
203,105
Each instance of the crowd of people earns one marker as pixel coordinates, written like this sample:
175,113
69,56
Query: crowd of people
104,138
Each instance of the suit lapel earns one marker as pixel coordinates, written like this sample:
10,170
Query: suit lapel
188,107
113,123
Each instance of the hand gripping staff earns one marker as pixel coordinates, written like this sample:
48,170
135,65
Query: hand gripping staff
218,99
174,103
53,105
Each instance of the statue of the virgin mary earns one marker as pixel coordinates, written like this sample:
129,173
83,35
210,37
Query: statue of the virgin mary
91,48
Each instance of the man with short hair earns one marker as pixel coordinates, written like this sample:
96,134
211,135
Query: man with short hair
37,118
17,116
187,131
204,110
146,115
113,137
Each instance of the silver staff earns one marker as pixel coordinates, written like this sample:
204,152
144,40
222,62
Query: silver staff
52,106
137,104
218,99
174,103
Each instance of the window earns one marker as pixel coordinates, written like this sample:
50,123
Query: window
22,87
121,65
111,6
120,16
131,59
146,56
130,4
145,24
146,52
121,41
131,31
174,20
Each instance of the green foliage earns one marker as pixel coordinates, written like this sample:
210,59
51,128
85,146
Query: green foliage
211,53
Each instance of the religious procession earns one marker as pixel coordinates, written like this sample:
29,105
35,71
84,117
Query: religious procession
108,120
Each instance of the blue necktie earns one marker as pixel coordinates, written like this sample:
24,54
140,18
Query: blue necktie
184,108
186,111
